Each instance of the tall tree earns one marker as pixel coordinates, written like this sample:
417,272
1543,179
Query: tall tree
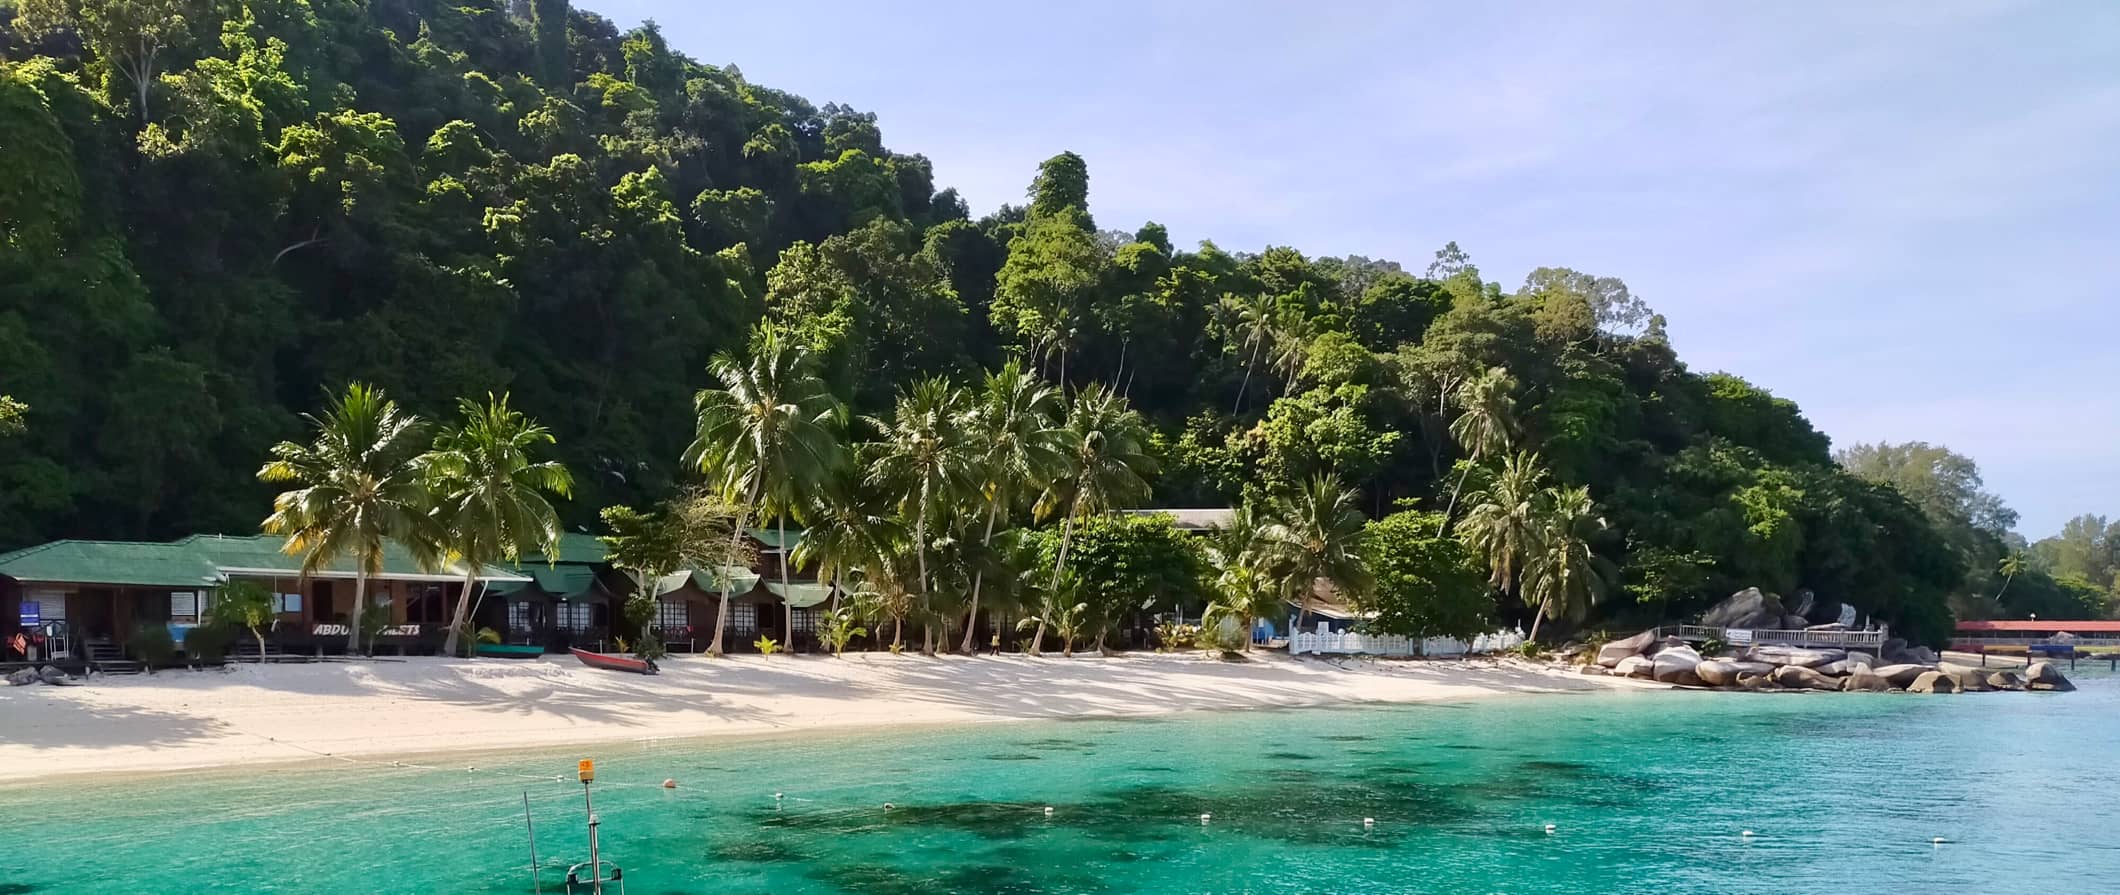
1507,520
1019,444
1562,577
360,488
129,36
767,437
1485,424
928,466
1313,534
1105,443
490,492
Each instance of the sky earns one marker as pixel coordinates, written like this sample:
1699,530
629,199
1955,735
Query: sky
1905,217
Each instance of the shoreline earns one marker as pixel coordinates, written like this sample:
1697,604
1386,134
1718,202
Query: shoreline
251,717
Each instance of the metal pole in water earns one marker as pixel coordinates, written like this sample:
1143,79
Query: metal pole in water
535,884
596,866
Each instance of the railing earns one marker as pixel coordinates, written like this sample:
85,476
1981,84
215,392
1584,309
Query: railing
1349,643
1782,637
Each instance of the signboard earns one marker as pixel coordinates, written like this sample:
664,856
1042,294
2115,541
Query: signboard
329,631
32,613
1737,636
341,631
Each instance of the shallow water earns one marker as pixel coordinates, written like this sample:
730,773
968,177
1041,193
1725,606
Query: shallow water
1645,790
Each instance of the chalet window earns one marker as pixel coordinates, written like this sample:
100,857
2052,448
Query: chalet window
425,605
287,603
743,618
805,621
523,616
185,607
673,615
573,617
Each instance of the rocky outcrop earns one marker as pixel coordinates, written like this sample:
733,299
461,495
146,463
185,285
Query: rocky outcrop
23,677
1965,677
1859,658
1901,675
1863,680
1610,654
1635,666
2006,680
1725,672
1748,608
51,674
1932,682
2044,676
1671,663
1797,677
1796,655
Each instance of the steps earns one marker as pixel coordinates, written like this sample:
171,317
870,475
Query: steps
104,657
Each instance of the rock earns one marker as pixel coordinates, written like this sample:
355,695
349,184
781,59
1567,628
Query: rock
1803,603
1797,677
1863,659
1965,677
1669,664
1634,666
1863,680
1796,655
2006,680
1716,672
1591,669
1932,682
51,674
1754,682
1834,669
1610,654
23,678
1892,651
1747,608
1794,623
1921,654
1901,675
2044,676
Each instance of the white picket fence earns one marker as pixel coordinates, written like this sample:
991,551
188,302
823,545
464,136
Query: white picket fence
1349,643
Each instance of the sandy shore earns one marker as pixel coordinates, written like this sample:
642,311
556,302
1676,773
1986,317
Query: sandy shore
276,713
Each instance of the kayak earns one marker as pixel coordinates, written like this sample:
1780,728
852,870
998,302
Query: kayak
509,651
613,661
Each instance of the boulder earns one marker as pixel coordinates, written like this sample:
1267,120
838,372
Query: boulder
2006,680
1856,657
1892,651
1610,654
1591,669
1634,666
1669,664
1902,674
51,674
1863,680
2044,676
1836,669
1921,654
23,677
1802,604
1796,655
1748,608
1794,623
1716,672
1797,677
1754,682
1932,682
1965,677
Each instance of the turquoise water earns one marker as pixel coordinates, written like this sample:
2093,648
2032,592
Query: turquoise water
1646,790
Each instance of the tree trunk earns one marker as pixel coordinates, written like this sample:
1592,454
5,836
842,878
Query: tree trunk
260,635
787,604
1246,384
721,617
971,619
360,607
1535,619
897,633
463,606
1067,534
927,632
1452,506
2005,587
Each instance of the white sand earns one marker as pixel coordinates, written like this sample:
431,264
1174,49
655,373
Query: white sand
246,714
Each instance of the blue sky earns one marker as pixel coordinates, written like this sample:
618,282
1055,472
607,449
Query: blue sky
1906,217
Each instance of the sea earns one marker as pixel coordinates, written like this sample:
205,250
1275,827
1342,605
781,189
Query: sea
1619,792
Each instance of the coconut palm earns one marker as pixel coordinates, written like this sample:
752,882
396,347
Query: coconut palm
1106,448
1013,426
1254,317
2011,566
765,438
1506,520
1292,335
1243,589
1485,425
489,493
360,487
1314,534
845,530
926,465
1562,576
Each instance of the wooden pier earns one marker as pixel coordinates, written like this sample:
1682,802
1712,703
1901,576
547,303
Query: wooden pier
1806,637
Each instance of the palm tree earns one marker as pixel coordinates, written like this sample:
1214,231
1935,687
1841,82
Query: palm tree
1506,520
844,530
360,488
1105,445
1254,316
1013,426
926,465
2011,566
765,438
1314,534
1242,588
1485,426
1562,576
489,494
1292,335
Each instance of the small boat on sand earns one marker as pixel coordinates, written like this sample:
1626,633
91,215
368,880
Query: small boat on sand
510,650
613,661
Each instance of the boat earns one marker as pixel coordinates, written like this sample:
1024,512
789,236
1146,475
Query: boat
613,661
509,651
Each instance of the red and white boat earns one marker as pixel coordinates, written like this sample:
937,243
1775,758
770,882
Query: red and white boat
613,661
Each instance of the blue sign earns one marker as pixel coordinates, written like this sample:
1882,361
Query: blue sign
32,613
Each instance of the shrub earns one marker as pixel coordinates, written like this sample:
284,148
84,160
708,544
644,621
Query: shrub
151,645
650,648
766,646
207,644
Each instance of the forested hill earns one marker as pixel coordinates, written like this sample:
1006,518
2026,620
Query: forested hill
214,212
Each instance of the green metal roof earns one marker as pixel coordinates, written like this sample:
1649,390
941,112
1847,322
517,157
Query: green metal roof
801,596
741,580
574,546
770,537
192,561
138,563
564,582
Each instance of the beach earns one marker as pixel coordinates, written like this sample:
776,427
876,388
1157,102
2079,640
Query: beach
248,714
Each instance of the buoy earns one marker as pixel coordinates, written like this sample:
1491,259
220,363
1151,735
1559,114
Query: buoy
1048,811
1549,829
776,797
888,806
470,769
1938,840
669,784
1204,818
1747,834
1369,821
